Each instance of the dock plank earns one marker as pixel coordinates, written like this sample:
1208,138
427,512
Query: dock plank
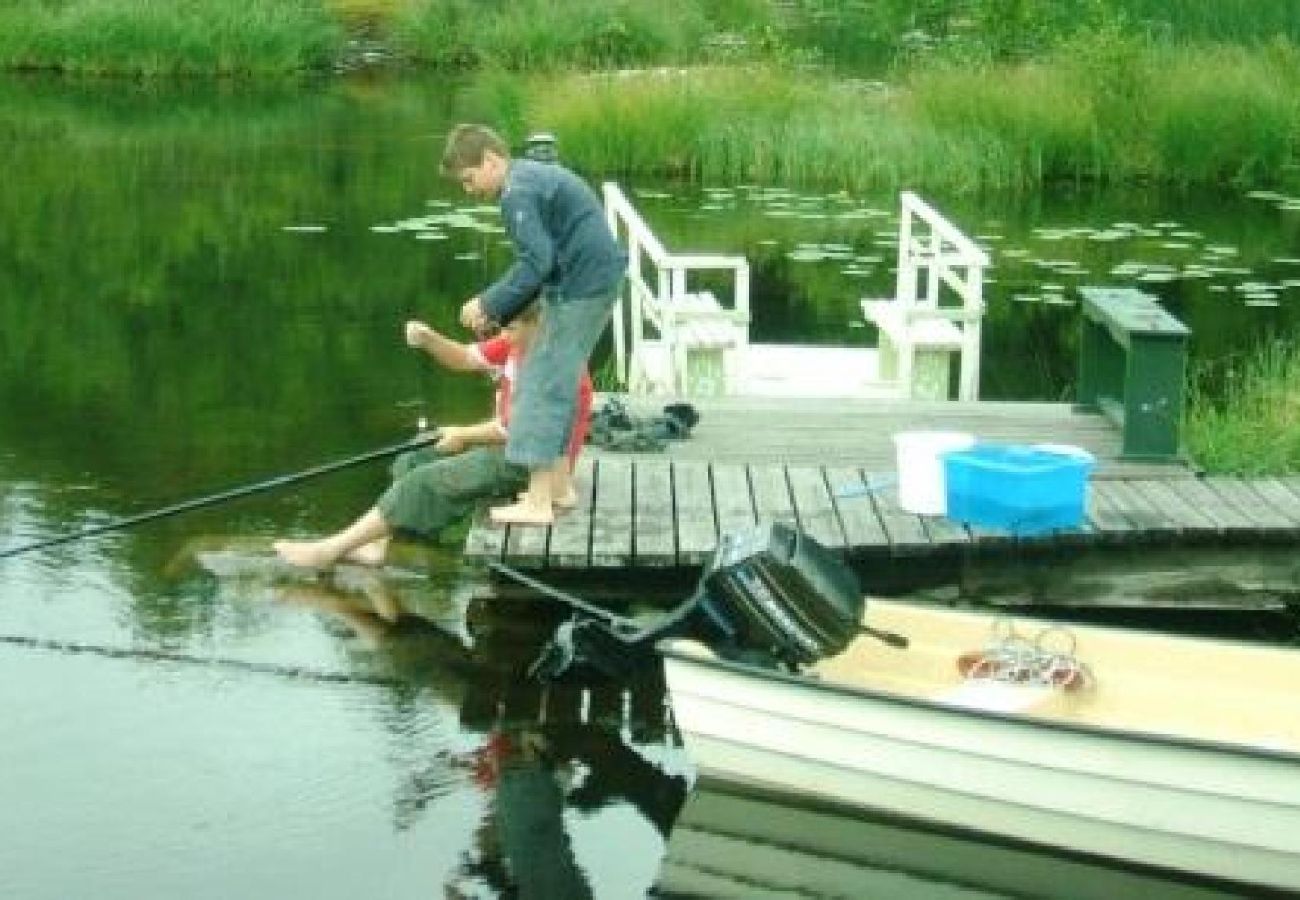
1105,512
1151,521
697,529
1292,484
526,544
902,528
941,530
1239,495
1186,517
1211,503
611,516
852,498
485,540
1275,493
570,545
813,506
732,498
654,528
772,501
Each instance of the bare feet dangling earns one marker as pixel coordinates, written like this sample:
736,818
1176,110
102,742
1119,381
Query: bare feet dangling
371,554
526,512
307,554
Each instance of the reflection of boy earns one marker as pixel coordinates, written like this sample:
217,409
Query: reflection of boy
435,487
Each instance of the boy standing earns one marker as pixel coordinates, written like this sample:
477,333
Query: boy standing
566,256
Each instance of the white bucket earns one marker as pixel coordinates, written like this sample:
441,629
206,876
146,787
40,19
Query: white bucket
920,468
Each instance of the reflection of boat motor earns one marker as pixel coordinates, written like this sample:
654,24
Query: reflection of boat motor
770,595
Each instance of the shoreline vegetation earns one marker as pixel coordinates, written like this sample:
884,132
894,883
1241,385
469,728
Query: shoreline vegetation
1243,418
956,96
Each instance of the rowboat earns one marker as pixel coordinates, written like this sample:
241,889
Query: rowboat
1176,753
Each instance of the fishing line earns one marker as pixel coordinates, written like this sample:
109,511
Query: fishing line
278,669
223,496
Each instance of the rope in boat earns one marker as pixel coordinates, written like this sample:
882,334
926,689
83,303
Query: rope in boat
1048,660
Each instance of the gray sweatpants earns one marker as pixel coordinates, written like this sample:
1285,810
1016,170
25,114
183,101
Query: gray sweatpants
431,491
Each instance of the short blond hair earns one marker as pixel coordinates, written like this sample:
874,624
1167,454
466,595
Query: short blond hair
467,145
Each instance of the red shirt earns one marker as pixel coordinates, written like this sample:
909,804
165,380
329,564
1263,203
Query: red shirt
504,357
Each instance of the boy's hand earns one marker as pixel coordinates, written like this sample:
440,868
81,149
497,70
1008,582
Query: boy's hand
417,333
473,317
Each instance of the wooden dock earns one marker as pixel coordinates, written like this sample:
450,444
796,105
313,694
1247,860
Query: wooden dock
828,467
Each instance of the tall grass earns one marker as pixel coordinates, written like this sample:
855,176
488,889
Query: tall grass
1244,418
1196,21
753,124
1106,108
159,37
872,35
542,35
1115,108
167,37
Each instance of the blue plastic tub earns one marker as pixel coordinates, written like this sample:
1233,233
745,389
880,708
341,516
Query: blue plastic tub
1018,488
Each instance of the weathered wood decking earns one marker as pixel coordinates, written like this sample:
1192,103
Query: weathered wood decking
828,467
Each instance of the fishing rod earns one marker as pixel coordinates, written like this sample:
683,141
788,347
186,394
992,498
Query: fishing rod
232,494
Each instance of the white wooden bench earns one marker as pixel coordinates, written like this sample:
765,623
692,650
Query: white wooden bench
702,331
915,350
697,331
923,326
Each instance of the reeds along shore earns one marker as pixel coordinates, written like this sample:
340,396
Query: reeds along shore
1244,417
157,37
726,89
1100,110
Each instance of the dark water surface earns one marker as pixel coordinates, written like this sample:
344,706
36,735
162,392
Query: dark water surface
204,288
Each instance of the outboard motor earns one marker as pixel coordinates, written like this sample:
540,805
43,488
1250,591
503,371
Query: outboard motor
775,592
771,595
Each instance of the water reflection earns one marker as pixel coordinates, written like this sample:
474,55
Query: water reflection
417,743
580,782
733,842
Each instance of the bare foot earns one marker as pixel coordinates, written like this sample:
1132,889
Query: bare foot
562,503
371,554
307,554
522,513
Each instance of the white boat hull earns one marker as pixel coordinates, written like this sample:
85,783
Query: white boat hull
1203,808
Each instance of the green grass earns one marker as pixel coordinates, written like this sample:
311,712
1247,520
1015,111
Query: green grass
1244,418
1108,108
1236,21
167,37
542,35
757,123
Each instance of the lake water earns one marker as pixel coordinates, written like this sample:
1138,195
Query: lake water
204,288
